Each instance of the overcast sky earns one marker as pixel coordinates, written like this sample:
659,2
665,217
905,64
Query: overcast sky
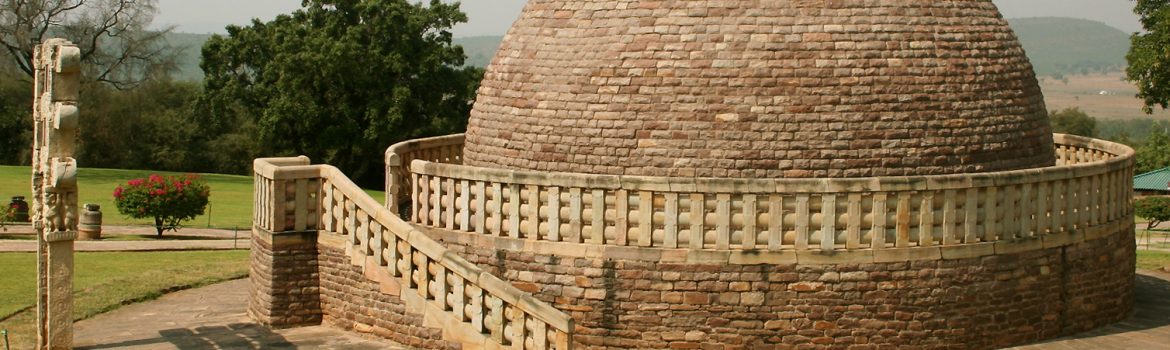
493,17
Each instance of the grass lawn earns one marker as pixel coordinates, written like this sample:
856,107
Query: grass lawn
105,281
1152,259
230,207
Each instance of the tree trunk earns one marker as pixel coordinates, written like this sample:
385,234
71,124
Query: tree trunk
158,225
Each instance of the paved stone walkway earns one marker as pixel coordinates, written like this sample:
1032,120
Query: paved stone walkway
185,239
206,318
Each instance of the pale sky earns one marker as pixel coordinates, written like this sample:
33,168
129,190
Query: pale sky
493,17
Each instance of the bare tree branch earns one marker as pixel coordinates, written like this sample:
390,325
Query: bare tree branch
117,43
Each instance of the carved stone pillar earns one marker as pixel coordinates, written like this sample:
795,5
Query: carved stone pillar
54,186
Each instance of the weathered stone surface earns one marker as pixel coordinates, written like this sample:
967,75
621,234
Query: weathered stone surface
977,303
760,90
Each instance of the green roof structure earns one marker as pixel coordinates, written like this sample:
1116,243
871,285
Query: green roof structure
1157,180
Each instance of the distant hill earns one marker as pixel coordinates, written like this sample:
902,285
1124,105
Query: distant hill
1056,46
1068,46
480,49
192,51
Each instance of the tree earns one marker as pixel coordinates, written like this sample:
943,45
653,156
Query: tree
340,80
1073,121
1149,54
168,200
1155,209
1154,153
117,47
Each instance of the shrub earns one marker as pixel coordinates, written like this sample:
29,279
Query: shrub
168,200
1155,209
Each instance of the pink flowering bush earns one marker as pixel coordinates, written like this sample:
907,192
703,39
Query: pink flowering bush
168,200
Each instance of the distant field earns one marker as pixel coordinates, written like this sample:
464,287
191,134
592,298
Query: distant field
1085,91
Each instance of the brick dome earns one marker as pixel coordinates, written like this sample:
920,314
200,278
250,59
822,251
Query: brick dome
760,89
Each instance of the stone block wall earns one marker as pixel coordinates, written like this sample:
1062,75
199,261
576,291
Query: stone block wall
284,289
977,303
301,279
353,302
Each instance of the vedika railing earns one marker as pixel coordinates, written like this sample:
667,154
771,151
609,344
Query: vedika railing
292,195
1090,186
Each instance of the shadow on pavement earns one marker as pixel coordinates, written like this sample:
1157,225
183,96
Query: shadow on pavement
232,336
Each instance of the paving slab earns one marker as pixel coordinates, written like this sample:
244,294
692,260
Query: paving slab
211,317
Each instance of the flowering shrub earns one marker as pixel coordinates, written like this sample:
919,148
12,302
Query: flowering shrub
169,200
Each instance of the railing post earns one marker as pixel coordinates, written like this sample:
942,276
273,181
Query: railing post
283,262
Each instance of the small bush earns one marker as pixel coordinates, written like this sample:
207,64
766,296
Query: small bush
168,200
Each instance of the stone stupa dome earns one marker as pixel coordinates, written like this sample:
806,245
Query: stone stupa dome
760,89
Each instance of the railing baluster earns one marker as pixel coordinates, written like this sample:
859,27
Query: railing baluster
554,214
926,220
646,218
949,237
621,233
514,210
575,222
480,207
670,240
802,219
828,223
533,213
971,217
853,229
1027,196
497,211
723,221
749,221
775,222
597,236
697,213
464,205
447,203
902,228
878,231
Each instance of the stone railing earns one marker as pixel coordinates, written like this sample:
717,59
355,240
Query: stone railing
443,149
864,219
292,195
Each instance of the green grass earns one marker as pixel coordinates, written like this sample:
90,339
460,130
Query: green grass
105,281
230,207
1152,260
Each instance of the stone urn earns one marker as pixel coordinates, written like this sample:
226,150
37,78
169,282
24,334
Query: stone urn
90,226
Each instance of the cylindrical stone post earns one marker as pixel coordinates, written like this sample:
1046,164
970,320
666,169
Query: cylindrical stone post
91,223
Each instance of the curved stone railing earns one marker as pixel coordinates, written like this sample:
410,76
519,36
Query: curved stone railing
870,219
443,149
292,195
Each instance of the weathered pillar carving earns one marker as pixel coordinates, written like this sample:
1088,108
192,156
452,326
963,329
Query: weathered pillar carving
54,185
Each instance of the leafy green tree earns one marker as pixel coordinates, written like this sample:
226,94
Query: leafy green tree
1149,54
1154,153
1154,209
1073,121
340,80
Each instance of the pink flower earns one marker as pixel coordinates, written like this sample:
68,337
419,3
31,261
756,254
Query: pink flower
155,178
135,182
118,192
158,192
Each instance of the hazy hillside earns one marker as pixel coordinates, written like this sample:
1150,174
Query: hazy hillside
1056,46
191,46
1067,46
479,49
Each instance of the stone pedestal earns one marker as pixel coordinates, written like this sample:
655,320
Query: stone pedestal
284,279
